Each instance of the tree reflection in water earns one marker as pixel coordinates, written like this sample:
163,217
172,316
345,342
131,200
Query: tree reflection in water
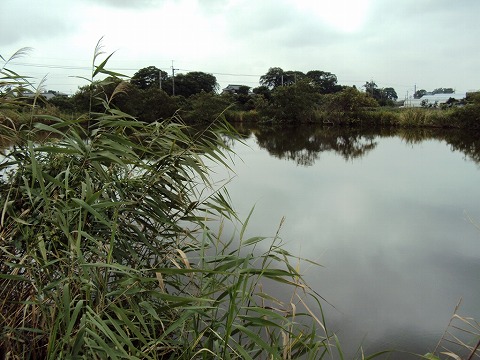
304,144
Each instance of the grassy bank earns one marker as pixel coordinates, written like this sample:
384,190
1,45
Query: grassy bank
458,118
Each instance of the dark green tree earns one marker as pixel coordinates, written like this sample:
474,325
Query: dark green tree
389,93
156,104
294,103
148,77
243,90
274,78
192,83
324,82
244,98
372,89
292,76
349,102
443,91
419,93
384,97
204,107
263,91
86,98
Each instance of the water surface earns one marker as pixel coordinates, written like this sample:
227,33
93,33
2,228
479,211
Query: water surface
387,214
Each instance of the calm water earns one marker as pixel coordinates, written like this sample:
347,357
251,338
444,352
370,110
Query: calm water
386,214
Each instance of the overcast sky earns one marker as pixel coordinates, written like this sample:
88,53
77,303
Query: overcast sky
399,44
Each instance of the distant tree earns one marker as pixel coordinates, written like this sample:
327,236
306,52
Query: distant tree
443,91
155,104
390,93
292,76
263,91
274,78
192,83
62,103
349,102
86,98
419,93
384,96
244,99
294,103
324,82
148,77
243,90
371,89
473,98
204,107
451,102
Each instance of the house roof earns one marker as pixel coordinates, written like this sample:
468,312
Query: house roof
443,97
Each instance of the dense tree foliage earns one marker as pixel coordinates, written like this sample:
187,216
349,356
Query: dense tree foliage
349,101
274,77
324,82
443,91
263,91
313,96
419,93
148,77
193,82
295,103
184,84
384,96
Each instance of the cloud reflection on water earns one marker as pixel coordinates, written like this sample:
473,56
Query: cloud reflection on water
389,226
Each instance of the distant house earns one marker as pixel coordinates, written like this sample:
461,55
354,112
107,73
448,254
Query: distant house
433,100
45,94
52,93
232,89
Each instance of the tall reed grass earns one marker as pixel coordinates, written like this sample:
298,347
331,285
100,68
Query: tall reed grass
106,248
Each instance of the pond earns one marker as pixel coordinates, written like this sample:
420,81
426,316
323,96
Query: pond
391,215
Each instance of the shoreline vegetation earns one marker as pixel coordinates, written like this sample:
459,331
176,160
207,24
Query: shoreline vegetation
105,246
283,98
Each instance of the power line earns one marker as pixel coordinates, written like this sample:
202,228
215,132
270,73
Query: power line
71,67
117,69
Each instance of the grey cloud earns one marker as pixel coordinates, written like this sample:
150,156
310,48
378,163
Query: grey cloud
267,16
30,21
212,6
275,25
136,4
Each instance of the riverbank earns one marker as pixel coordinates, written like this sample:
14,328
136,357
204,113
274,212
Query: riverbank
459,118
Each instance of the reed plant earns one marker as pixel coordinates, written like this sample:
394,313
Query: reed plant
107,248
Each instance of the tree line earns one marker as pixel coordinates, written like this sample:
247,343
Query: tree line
282,96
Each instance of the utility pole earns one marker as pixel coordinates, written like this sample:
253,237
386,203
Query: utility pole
173,79
160,79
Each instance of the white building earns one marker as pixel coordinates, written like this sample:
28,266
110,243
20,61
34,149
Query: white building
437,99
